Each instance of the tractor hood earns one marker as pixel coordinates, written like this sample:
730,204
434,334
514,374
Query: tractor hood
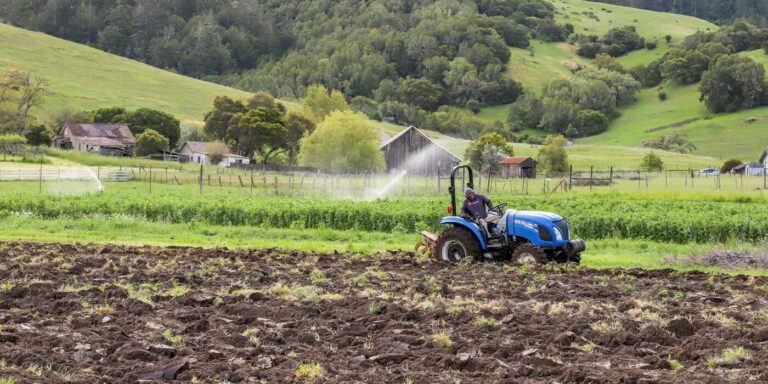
537,217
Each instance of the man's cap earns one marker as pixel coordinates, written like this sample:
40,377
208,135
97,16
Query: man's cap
468,191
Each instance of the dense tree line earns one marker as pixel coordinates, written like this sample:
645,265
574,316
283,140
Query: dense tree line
444,51
616,42
582,106
718,11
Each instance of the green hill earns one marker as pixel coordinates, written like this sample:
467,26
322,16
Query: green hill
83,78
549,59
740,135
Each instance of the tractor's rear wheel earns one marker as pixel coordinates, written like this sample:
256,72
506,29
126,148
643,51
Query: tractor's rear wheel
529,254
457,244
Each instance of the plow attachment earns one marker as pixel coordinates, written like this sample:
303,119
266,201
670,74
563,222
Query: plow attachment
426,247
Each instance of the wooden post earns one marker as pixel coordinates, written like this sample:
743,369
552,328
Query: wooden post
277,191
242,185
610,177
41,178
591,173
200,179
220,184
765,177
150,180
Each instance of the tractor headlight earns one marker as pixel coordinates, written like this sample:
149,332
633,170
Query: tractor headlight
558,234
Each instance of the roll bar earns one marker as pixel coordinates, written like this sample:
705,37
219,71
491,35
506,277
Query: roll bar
452,188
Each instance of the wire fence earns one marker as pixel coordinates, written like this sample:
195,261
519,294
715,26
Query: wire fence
269,182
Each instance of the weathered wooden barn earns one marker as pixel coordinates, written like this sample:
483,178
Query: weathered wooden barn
523,167
104,139
413,151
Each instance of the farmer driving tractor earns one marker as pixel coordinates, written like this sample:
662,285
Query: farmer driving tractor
474,209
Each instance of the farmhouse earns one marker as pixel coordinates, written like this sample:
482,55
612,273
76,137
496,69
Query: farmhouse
198,152
414,152
759,167
524,167
104,139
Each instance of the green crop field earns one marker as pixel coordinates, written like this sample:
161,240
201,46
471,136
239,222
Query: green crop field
622,229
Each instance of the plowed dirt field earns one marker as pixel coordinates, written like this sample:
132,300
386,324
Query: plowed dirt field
114,314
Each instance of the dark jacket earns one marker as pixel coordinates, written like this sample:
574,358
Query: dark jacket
476,209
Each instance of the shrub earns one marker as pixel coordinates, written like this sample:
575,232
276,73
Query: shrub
662,95
651,163
150,142
730,164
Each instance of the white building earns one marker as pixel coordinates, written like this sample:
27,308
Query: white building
759,168
197,151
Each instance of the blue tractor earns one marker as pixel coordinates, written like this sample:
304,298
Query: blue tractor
521,236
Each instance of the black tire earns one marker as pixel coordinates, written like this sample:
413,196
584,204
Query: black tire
529,254
456,244
575,259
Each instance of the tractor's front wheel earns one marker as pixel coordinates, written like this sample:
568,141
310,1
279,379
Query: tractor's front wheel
529,254
457,244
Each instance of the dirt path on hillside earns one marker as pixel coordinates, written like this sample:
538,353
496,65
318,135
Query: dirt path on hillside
94,313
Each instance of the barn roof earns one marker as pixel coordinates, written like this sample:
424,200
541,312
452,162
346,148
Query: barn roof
515,160
764,156
105,135
202,147
401,134
113,131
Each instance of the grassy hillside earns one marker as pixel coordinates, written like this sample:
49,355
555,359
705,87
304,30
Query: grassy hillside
549,59
84,78
741,135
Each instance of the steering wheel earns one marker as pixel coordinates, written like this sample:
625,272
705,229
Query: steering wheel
499,208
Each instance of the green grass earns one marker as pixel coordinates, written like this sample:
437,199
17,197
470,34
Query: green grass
722,136
603,253
84,78
548,59
650,24
545,65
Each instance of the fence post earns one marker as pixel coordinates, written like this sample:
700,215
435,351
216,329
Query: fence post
200,179
150,180
41,178
610,176
765,178
591,180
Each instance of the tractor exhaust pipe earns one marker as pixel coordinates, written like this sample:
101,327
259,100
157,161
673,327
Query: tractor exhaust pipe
575,246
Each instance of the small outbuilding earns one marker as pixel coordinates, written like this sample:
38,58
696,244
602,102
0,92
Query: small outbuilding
104,139
198,152
518,167
411,150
